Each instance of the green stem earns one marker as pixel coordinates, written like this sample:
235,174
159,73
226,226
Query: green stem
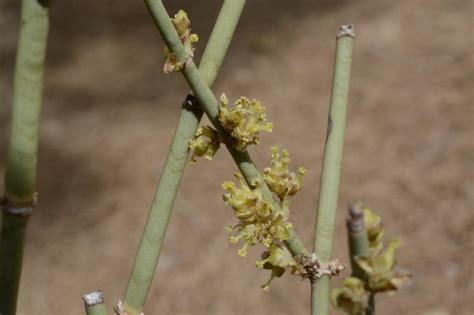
155,229
359,247
358,240
210,106
371,309
20,174
331,168
94,303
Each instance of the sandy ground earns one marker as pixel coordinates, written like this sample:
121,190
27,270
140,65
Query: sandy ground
109,114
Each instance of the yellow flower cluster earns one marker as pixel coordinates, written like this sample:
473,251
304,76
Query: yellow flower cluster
279,179
182,25
243,121
258,220
381,274
380,263
380,269
206,142
352,297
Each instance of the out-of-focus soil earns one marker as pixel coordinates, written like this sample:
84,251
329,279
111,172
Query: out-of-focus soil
109,114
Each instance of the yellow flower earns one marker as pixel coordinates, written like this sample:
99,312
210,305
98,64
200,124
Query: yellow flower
258,223
279,179
258,220
248,204
277,258
206,142
243,121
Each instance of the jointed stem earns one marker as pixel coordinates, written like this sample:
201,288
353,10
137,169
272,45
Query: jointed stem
329,187
94,303
20,174
157,222
358,240
359,247
210,106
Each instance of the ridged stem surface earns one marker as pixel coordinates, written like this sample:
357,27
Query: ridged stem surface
331,168
20,173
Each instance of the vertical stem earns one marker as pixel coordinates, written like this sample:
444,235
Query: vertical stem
329,186
155,229
20,174
94,303
359,247
371,309
358,239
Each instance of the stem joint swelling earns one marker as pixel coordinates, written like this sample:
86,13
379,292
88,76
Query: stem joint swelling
94,303
17,209
315,269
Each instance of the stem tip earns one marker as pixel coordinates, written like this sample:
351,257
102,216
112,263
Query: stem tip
93,298
346,30
355,221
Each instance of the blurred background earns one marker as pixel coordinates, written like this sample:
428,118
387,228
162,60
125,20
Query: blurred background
109,114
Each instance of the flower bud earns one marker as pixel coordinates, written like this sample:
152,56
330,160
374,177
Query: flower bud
351,297
182,24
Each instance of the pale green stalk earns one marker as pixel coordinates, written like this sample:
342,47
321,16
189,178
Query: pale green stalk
331,168
20,174
210,106
358,240
94,303
358,247
154,233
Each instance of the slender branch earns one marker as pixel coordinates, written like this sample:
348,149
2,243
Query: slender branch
331,168
359,247
358,239
20,174
210,106
94,303
155,229
371,309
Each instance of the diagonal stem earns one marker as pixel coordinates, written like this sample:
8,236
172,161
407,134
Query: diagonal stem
331,168
154,233
210,106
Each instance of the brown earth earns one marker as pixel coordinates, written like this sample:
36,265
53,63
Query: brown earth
109,114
